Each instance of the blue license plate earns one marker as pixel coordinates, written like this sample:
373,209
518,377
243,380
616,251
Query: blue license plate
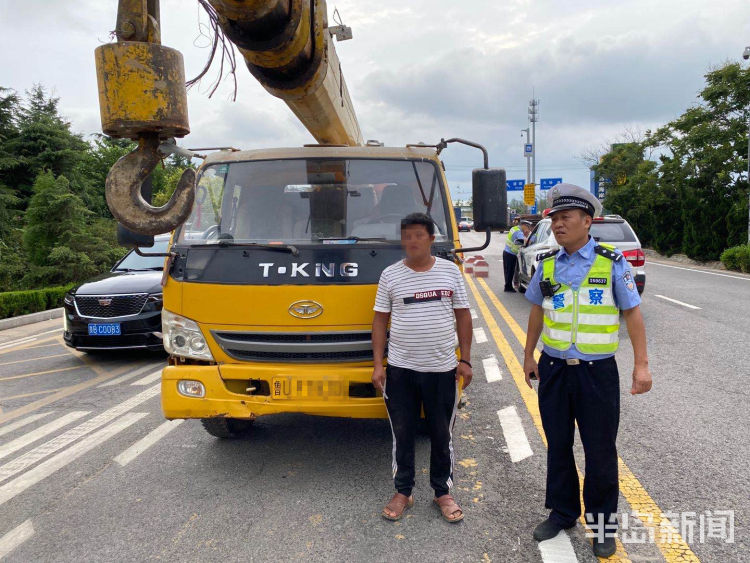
104,329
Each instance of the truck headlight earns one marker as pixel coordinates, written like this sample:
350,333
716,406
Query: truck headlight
182,337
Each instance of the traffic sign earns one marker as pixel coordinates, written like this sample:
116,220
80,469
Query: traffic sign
528,149
533,210
515,185
529,194
547,183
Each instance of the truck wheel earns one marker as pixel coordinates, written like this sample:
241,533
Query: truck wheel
227,427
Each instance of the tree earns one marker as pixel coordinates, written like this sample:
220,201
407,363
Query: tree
63,240
8,131
43,142
694,200
705,162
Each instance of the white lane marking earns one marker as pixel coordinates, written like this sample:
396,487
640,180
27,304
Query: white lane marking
16,537
473,314
149,379
700,271
492,369
515,437
23,422
558,549
479,335
41,432
127,376
47,468
688,305
26,339
59,442
147,441
17,342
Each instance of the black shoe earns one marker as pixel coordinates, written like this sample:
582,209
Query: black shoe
548,530
509,290
605,548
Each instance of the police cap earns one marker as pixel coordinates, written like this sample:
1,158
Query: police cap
570,196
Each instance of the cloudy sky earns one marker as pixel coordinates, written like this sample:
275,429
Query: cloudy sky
425,69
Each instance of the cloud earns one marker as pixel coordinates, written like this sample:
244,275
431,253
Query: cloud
427,69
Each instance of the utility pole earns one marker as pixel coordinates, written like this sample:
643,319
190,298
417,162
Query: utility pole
533,118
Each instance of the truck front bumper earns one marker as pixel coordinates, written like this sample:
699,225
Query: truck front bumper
322,390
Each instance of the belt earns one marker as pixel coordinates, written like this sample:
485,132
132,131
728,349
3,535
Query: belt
573,361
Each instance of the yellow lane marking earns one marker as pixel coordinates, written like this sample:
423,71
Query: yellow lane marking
32,359
528,394
61,394
43,346
40,373
636,495
32,394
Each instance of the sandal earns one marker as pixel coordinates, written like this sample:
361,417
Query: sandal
398,505
449,508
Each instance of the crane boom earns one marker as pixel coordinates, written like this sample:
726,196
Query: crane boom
288,49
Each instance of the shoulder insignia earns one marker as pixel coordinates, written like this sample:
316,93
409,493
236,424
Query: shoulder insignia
545,255
608,252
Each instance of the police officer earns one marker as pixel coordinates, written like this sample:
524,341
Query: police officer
577,293
516,237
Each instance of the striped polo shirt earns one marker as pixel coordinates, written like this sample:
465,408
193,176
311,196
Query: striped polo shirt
423,330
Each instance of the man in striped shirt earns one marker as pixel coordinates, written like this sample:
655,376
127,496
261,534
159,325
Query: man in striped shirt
425,299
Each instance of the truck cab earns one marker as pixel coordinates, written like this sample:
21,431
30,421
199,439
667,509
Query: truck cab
269,290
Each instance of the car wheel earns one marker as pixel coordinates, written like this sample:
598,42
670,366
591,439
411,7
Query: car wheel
227,427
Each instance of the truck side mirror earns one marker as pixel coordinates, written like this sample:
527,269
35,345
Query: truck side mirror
489,198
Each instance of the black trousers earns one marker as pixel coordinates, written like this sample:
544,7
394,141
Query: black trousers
405,392
509,268
588,393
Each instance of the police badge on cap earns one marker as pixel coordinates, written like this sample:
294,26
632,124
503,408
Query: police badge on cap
569,196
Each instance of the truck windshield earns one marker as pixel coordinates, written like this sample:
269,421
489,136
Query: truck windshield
297,201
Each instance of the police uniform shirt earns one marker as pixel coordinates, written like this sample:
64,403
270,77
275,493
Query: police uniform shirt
518,235
570,270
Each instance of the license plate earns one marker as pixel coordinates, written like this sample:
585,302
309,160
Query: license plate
104,329
287,387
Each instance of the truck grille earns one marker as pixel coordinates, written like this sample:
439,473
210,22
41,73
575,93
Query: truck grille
316,347
109,306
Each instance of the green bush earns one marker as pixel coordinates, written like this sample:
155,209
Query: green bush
737,258
13,303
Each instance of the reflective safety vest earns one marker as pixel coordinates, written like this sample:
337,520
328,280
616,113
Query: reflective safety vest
509,244
587,317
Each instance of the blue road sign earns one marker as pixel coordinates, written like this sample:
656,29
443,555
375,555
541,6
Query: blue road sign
515,185
547,183
533,210
528,149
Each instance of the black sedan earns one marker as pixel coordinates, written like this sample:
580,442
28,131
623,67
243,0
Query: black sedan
120,309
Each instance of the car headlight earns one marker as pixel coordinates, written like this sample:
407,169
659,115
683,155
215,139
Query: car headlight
68,299
182,337
154,302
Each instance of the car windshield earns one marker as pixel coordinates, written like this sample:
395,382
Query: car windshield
299,201
133,261
618,231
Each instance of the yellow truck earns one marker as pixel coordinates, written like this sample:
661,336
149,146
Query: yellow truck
276,253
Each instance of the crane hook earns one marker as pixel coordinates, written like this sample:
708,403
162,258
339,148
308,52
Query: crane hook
123,192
